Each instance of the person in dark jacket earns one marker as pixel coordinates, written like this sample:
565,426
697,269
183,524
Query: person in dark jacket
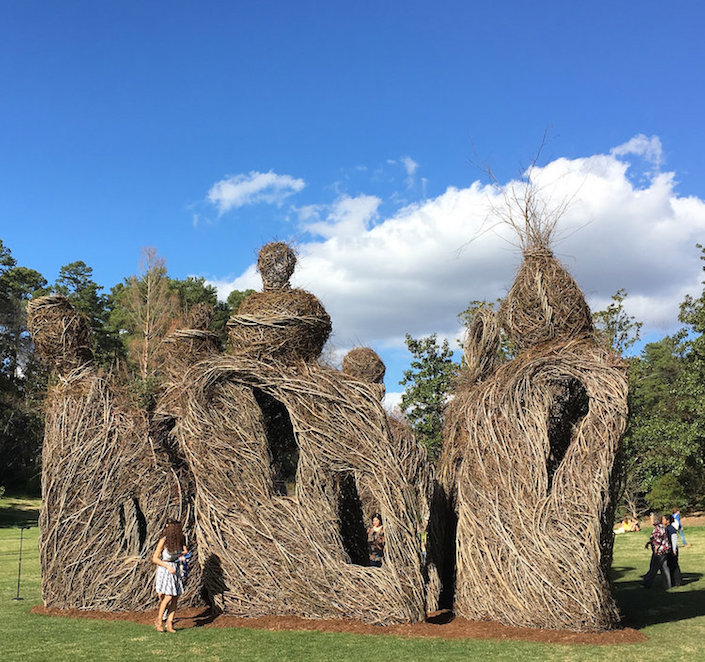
660,549
674,568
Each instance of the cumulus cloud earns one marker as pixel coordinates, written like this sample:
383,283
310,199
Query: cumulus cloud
416,269
641,145
253,188
347,217
392,400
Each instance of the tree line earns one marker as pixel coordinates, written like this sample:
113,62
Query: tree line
128,323
662,458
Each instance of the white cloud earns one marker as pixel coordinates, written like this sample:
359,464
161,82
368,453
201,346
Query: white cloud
409,165
641,145
249,280
414,271
347,217
392,400
255,187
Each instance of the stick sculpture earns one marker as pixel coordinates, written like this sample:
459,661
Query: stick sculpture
269,410
527,464
108,484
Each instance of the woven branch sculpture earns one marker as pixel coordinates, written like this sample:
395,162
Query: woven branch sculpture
212,454
108,483
267,552
519,520
527,465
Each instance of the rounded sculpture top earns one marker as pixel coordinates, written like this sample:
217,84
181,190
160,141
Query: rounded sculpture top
279,323
276,263
544,304
61,335
364,364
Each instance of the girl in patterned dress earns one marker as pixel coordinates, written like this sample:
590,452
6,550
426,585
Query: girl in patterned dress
169,582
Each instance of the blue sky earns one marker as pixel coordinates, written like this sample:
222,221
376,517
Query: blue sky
355,130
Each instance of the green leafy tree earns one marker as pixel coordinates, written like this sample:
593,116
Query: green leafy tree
22,381
17,286
666,493
691,394
614,327
235,298
666,433
428,383
221,315
194,290
653,443
76,283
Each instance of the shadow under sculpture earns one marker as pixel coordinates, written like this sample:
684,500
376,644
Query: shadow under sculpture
279,554
528,459
108,484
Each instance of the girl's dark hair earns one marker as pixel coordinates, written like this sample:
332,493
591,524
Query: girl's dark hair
174,535
378,516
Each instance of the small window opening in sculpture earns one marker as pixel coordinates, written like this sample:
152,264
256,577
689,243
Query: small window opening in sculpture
133,525
141,522
121,520
350,519
569,407
283,449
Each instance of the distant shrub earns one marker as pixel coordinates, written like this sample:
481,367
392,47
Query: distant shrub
666,493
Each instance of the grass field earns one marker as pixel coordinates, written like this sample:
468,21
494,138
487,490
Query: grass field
674,622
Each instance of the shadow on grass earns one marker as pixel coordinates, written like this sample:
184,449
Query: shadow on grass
643,607
15,515
617,572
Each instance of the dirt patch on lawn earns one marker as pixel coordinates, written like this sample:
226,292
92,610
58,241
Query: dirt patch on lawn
440,624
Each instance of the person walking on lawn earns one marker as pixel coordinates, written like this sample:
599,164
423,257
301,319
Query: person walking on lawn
660,550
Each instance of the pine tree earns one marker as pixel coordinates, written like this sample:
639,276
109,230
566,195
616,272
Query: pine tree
428,384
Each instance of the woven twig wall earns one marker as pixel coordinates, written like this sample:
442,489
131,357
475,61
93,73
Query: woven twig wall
108,485
273,554
525,472
528,462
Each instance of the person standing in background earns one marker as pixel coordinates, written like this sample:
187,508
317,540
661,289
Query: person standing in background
375,541
678,525
674,568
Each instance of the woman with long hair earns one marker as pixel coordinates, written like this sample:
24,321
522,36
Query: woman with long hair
168,557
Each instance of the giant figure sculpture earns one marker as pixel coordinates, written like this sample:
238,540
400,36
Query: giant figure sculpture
528,459
274,461
269,402
109,484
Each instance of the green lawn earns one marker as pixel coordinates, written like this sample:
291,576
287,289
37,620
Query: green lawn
674,622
